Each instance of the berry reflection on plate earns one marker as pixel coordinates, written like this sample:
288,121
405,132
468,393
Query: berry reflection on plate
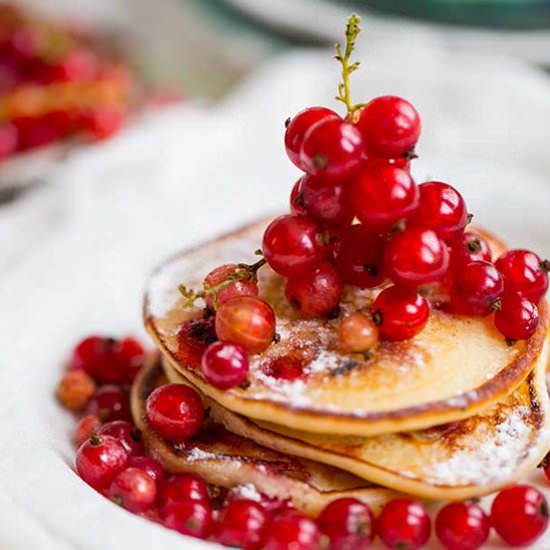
377,355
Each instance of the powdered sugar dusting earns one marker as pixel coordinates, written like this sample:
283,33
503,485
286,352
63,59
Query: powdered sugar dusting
196,453
245,491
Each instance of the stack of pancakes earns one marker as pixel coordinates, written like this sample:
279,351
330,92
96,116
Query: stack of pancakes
453,413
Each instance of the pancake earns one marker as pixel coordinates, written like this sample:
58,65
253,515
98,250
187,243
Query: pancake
465,459
228,460
455,368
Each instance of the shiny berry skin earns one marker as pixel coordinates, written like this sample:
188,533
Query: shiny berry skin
242,525
92,355
189,517
469,247
134,490
383,196
231,290
332,148
291,245
476,289
285,367
126,433
225,365
403,524
517,318
175,412
525,273
317,293
181,487
358,257
296,199
327,202
462,526
292,530
110,402
153,468
400,313
390,126
87,426
357,333
194,336
519,515
129,356
297,128
415,257
441,208
348,523
99,460
247,321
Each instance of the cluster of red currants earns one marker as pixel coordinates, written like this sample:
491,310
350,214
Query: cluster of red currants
56,82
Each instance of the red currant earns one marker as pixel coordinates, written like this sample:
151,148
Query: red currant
150,466
230,290
517,318
247,321
348,523
92,355
299,125
225,365
462,526
357,333
469,247
9,139
358,256
416,256
103,122
175,412
441,208
87,426
99,460
476,289
390,126
519,515
317,293
525,273
332,148
292,530
110,402
134,490
400,313
194,336
404,524
242,525
297,199
182,487
384,195
190,517
291,245
126,433
78,64
75,390
285,367
128,358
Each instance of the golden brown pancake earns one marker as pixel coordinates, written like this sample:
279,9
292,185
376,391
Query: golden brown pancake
455,368
228,460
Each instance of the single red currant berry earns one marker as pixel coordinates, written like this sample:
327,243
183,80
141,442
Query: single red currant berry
242,525
348,523
441,208
297,199
462,526
383,196
126,433
404,524
128,358
390,126
182,487
175,412
400,313
194,336
357,333
225,365
87,426
416,256
317,293
327,202
517,318
285,367
519,515
292,530
9,139
525,273
110,402
297,127
75,390
189,517
103,122
153,468
332,148
247,321
358,257
476,289
91,354
231,289
469,247
291,245
99,460
134,490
